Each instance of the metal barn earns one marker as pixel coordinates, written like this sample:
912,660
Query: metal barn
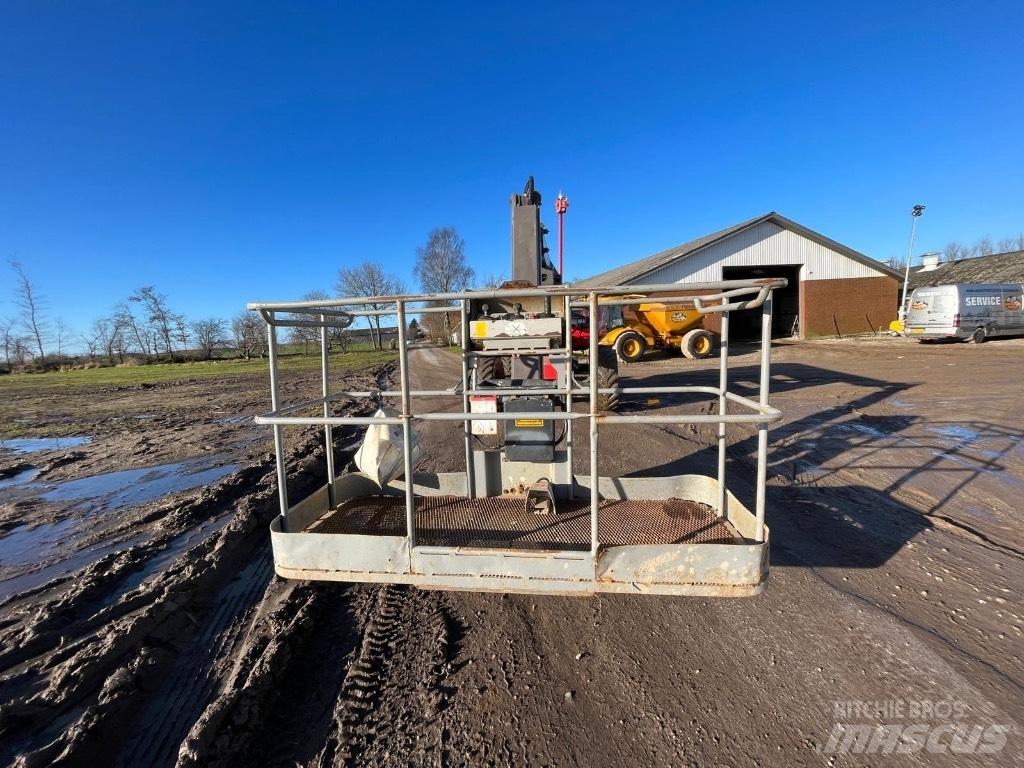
833,290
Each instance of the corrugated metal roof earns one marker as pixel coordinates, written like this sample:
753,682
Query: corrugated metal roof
998,268
637,269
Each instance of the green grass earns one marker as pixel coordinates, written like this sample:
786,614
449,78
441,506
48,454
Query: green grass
290,360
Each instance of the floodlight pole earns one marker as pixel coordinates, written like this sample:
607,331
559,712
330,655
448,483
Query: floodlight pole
915,214
561,206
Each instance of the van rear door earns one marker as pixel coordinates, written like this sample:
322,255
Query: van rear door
933,311
1013,309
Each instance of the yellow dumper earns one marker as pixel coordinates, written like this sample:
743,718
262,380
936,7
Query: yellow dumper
659,326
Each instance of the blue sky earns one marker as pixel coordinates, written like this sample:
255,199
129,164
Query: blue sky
235,152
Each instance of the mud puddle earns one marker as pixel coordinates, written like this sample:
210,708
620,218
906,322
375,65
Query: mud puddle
236,419
959,434
174,547
36,444
68,564
27,543
54,546
138,486
20,478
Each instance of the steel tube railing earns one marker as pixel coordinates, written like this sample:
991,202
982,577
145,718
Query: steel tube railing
762,427
532,353
603,418
325,349
723,386
760,413
595,496
567,310
467,432
403,377
334,421
698,418
453,393
275,396
642,292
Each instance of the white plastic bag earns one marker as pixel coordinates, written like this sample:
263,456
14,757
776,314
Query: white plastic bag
380,455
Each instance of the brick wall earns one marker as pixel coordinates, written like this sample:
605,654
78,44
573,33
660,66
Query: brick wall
855,301
856,305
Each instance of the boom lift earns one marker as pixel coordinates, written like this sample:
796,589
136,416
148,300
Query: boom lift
519,517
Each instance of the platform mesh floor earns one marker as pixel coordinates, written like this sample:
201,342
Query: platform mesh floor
454,521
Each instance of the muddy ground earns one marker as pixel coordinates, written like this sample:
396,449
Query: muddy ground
141,624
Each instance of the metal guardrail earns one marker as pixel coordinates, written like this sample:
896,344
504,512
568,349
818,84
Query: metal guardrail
340,313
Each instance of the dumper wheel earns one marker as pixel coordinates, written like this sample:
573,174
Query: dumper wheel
698,344
607,376
630,346
490,368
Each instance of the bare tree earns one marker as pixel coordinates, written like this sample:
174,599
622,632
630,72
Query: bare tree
7,339
249,334
303,335
341,338
159,316
1005,244
30,302
181,332
441,267
438,326
209,335
441,263
491,281
134,332
91,345
954,251
21,351
60,334
107,335
368,279
119,344
983,247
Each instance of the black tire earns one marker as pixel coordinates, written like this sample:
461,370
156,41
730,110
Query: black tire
630,347
607,376
698,344
490,368
978,337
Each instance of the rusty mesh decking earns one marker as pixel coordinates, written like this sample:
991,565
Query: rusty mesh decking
455,521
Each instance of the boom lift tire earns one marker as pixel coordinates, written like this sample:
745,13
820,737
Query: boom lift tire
607,376
490,368
630,346
697,344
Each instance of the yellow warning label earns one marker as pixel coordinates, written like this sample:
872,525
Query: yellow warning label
529,422
479,330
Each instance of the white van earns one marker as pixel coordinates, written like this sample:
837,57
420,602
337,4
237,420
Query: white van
968,311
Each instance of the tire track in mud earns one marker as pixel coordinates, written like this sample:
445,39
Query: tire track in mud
122,681
186,690
390,710
357,677
303,703
360,687
103,681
